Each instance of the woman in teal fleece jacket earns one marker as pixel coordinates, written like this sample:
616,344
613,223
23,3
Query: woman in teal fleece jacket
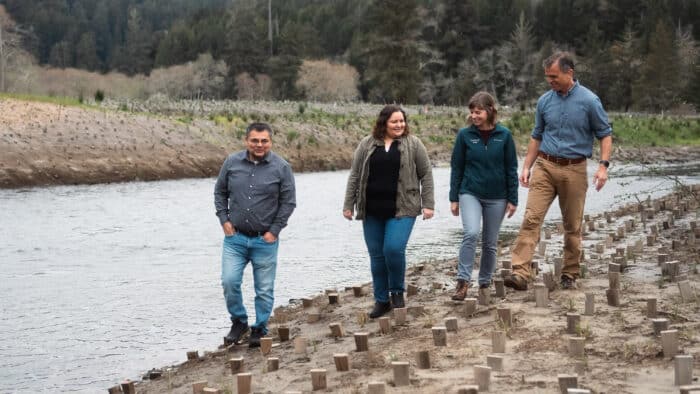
483,184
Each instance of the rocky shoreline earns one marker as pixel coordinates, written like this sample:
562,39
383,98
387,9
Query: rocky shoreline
604,336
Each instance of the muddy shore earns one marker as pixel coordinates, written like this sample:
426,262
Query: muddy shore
621,351
49,144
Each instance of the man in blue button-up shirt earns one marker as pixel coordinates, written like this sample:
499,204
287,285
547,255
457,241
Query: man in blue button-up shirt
254,197
568,118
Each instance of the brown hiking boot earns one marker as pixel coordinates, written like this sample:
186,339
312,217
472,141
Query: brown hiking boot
461,291
515,282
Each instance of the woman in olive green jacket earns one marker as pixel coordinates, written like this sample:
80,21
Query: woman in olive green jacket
390,183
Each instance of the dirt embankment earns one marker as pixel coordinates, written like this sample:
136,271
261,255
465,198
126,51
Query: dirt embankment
621,352
49,144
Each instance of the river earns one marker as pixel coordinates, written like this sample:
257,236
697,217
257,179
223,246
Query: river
104,282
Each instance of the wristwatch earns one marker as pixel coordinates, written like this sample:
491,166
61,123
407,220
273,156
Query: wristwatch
605,163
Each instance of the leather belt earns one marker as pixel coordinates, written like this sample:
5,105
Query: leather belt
562,161
251,233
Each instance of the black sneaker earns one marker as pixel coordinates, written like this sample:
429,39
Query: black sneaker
255,334
380,308
397,300
484,285
238,328
568,283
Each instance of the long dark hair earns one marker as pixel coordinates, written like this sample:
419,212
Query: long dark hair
380,125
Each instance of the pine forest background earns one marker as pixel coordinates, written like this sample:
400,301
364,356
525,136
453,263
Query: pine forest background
640,55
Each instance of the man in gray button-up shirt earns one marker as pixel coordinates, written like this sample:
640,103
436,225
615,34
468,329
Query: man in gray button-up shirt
254,197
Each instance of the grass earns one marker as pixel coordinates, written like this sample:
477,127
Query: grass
65,101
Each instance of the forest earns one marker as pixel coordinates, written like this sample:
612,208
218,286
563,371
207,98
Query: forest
637,55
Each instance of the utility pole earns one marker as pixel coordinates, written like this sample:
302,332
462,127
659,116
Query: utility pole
269,24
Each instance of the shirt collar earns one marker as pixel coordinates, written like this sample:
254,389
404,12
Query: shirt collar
571,89
265,158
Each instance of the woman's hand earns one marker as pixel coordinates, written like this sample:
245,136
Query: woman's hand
454,207
347,214
427,213
510,209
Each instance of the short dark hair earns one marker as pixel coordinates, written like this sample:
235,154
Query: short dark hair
379,130
565,60
485,101
258,126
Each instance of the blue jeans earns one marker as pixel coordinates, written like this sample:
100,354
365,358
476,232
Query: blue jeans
238,250
471,210
386,241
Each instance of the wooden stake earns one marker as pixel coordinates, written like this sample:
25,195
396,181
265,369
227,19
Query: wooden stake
244,382
313,317
423,359
318,379
558,264
265,345
336,330
470,389
440,336
333,298
651,308
470,306
506,264
283,332
590,304
118,389
659,325
384,325
566,382
342,362
300,344
399,316
687,294
236,365
357,291
495,362
673,270
612,267
307,302
376,388
547,233
193,355
484,296
614,280
548,279
273,364
669,342
504,315
411,290
210,390
541,295
361,341
690,389
683,370
500,287
577,346
451,324
128,387
498,341
573,321
401,373
613,296
482,375
197,387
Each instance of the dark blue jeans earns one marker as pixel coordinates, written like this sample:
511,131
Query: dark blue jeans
386,241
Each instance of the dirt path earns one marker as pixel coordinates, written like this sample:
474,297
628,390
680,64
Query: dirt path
622,354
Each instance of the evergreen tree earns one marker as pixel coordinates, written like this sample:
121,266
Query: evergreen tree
392,72
658,86
625,65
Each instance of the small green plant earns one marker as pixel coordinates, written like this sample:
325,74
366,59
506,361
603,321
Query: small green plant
584,331
570,304
292,135
301,108
362,318
99,96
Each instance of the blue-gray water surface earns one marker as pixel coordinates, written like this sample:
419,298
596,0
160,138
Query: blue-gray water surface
101,283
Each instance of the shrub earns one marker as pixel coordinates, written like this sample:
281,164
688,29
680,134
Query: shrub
99,95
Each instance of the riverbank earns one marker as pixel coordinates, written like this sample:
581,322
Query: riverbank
621,352
46,143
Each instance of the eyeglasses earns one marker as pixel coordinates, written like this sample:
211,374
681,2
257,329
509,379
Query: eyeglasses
255,141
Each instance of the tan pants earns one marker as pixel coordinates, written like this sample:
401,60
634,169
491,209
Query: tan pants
549,180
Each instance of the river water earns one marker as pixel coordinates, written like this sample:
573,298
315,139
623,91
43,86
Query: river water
101,283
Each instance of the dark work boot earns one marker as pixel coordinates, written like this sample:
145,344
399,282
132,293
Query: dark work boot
255,334
380,308
397,300
238,328
568,283
461,290
516,282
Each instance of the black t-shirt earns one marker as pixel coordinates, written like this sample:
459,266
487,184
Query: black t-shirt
383,181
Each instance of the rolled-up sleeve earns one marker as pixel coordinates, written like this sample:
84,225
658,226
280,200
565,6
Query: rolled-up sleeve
538,130
598,119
